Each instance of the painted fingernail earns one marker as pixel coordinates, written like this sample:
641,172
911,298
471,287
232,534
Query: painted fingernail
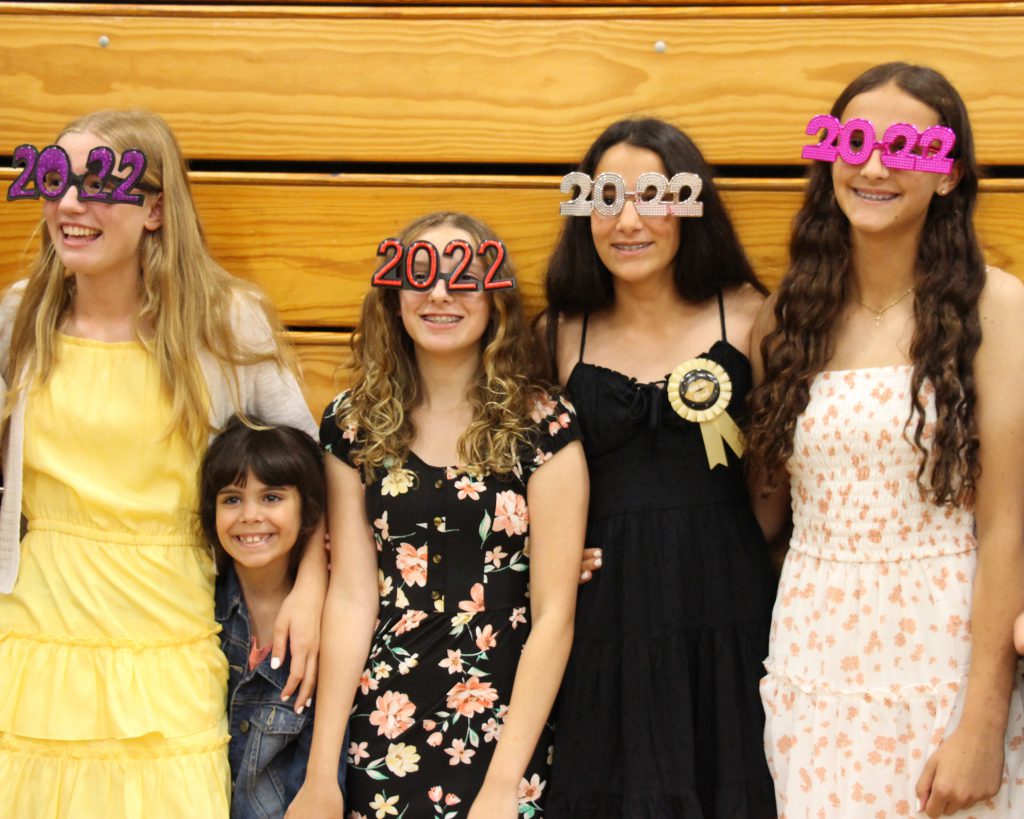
309,703
597,563
275,663
598,552
300,709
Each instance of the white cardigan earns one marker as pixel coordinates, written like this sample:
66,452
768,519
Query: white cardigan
267,392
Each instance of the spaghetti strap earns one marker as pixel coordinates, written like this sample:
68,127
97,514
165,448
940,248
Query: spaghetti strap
721,316
583,337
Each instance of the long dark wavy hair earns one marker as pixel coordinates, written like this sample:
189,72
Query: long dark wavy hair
711,258
948,279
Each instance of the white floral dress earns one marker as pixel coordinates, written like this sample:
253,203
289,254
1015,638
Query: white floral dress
870,642
453,572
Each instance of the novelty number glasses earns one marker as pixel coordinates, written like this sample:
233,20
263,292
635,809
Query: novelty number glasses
424,277
47,173
610,194
903,146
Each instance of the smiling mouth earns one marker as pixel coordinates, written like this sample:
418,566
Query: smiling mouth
78,232
875,196
431,319
631,247
254,540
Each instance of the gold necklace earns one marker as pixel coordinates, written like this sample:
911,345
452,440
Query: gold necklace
880,313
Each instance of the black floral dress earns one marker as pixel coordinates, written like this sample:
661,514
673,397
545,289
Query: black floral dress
453,572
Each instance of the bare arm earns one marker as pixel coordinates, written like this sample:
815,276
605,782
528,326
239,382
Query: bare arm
772,510
557,498
350,613
968,766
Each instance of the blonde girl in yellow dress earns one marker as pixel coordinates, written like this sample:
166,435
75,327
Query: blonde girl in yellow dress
126,347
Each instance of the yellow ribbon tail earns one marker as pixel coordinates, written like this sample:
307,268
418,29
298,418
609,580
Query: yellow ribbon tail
714,432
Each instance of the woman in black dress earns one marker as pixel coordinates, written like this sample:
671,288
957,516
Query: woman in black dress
457,497
649,326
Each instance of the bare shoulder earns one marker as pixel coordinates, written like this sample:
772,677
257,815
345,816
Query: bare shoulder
1001,312
570,332
1002,298
742,307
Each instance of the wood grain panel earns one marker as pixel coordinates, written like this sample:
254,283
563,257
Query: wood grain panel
310,241
463,85
322,358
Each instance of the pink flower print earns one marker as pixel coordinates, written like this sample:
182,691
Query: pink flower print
495,556
393,715
476,592
428,724
542,408
486,638
382,524
518,616
510,513
459,752
561,422
410,620
350,433
541,457
468,488
435,793
451,799
367,682
530,789
492,730
471,697
435,739
453,662
412,563
357,752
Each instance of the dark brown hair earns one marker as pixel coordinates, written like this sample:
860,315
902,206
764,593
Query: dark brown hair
948,279
577,280
276,456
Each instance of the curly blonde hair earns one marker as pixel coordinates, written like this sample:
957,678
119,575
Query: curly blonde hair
186,298
386,381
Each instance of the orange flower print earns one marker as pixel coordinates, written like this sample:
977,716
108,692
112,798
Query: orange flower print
381,523
476,592
518,616
412,563
453,662
367,682
561,422
459,752
495,556
410,620
486,638
471,697
393,715
451,799
510,514
435,793
469,488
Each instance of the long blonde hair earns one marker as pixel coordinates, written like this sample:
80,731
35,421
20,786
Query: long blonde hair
187,299
386,381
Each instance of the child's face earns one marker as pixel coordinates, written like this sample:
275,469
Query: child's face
258,524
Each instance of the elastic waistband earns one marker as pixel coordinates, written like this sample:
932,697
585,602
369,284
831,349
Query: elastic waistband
111,535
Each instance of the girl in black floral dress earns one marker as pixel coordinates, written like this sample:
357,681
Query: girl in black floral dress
458,496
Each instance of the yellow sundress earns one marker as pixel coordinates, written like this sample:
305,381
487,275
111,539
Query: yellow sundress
112,682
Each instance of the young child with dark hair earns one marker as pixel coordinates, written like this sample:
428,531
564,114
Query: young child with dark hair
261,496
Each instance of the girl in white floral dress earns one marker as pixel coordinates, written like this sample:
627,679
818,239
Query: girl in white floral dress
458,494
893,396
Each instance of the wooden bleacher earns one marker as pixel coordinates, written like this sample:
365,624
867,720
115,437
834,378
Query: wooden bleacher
413,91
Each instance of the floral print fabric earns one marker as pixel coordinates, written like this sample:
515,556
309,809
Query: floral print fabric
870,643
453,575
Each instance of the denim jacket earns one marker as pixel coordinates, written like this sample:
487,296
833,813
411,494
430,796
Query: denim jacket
269,741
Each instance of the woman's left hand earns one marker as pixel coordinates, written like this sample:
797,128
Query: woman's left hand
298,627
967,768
494,802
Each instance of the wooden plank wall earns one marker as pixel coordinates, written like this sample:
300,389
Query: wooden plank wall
323,128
